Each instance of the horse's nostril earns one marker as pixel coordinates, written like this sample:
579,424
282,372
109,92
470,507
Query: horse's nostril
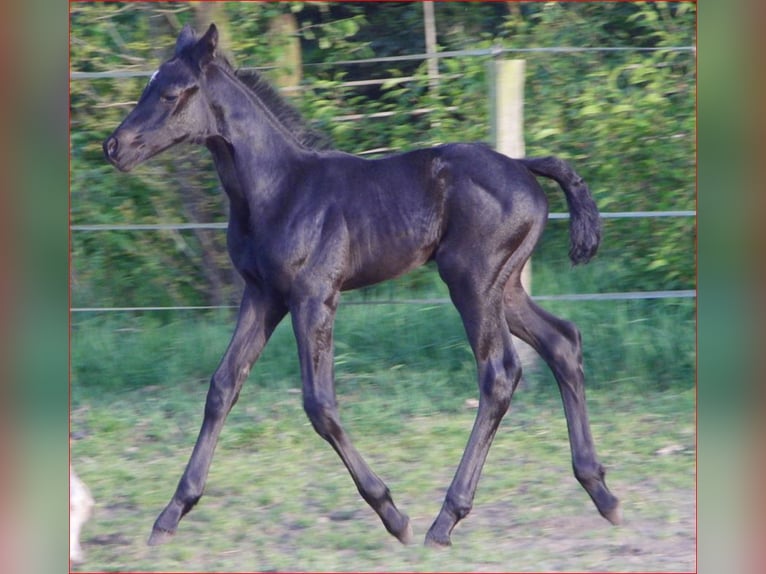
110,147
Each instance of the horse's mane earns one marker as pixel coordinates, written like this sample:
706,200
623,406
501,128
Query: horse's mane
283,111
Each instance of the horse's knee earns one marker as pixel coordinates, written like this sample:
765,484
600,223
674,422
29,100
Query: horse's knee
499,381
223,393
219,401
512,367
323,414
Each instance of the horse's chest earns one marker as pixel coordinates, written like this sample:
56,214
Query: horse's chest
240,245
284,253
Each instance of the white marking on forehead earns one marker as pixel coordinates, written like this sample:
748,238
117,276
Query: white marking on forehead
154,75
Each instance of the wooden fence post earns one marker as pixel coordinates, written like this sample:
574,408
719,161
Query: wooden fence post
429,24
506,89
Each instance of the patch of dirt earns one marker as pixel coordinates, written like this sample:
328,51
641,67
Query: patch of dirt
649,539
114,539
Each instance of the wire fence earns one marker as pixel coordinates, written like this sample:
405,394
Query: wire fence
611,296
494,52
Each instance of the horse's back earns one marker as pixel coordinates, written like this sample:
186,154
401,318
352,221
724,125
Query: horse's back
486,188
397,211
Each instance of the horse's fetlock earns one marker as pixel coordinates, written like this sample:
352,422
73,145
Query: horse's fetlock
376,494
189,504
588,474
459,504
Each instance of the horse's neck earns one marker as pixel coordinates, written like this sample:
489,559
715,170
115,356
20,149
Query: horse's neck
223,157
257,149
243,119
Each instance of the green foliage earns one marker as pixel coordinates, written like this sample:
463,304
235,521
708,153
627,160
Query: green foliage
625,119
410,353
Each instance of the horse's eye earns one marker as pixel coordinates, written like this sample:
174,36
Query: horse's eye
169,98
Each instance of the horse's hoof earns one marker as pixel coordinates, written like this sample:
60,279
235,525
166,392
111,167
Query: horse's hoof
433,541
159,536
407,536
614,515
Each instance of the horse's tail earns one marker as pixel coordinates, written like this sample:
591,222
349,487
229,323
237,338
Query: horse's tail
584,219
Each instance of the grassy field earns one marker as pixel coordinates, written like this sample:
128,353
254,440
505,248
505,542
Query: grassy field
278,498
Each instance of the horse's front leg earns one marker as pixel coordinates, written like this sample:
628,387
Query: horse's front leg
259,314
313,319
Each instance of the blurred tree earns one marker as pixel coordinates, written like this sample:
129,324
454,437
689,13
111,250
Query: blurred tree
625,118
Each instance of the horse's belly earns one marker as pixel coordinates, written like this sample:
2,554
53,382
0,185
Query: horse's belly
391,260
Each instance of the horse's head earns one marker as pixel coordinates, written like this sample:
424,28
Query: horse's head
172,108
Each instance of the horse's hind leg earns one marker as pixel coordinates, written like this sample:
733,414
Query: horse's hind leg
558,343
479,302
313,317
259,314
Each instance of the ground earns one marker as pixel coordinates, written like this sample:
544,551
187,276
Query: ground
279,499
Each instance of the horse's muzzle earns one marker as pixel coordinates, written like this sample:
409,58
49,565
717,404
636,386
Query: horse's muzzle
111,145
111,148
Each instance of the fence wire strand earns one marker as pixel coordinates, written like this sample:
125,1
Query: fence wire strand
224,225
616,296
495,52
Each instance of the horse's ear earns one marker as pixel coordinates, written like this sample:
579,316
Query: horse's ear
206,46
186,38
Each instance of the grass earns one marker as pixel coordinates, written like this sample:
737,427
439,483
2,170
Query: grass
646,345
278,498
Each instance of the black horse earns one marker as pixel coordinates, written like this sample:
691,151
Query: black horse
306,224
